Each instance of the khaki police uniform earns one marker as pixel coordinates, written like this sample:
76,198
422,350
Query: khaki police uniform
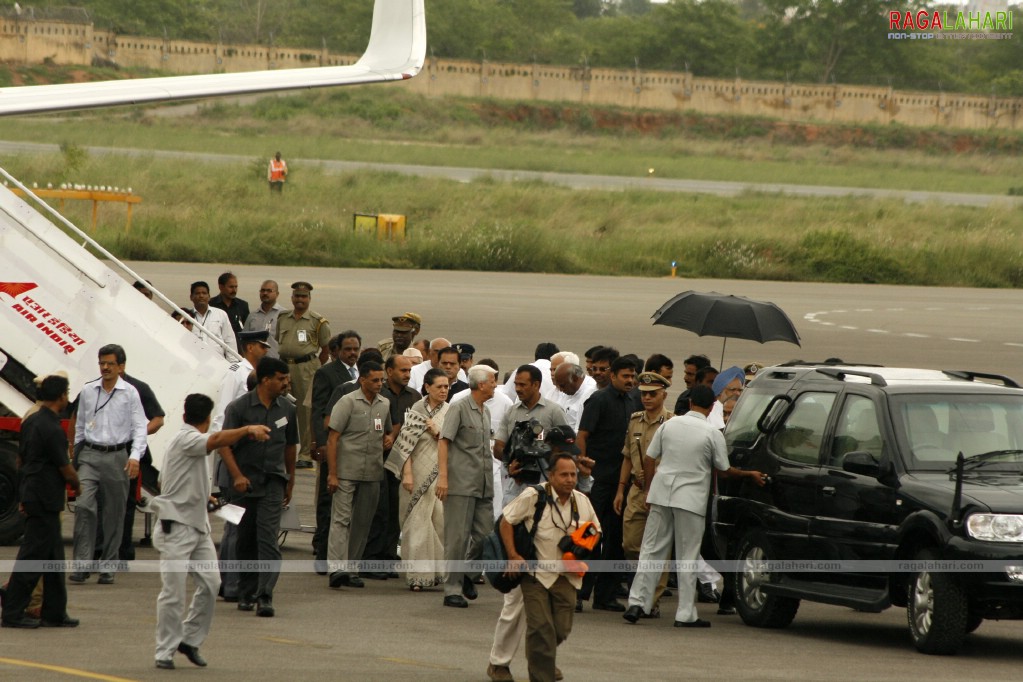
641,431
406,322
300,341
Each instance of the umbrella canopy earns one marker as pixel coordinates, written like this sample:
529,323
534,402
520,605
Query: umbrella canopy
730,317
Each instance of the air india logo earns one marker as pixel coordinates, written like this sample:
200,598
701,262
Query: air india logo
53,328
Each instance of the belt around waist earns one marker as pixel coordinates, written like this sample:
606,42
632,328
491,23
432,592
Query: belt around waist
299,360
107,448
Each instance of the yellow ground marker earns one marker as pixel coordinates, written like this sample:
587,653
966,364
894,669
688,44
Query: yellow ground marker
64,671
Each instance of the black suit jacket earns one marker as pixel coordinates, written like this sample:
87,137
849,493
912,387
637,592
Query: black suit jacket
326,379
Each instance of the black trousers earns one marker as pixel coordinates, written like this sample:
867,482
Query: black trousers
42,542
604,583
257,540
323,511
385,532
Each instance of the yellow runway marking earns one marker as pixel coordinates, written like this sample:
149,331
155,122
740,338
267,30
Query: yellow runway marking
64,671
294,642
418,664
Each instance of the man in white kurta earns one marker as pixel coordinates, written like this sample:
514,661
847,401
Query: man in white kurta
688,449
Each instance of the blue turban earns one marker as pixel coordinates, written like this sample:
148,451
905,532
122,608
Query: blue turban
727,377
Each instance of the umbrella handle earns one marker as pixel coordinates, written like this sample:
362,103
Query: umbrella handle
723,342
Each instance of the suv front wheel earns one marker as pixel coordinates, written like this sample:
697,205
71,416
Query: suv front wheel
937,611
755,606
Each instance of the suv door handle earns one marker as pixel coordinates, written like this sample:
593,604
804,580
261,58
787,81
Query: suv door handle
828,490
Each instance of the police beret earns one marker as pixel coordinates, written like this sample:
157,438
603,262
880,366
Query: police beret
302,285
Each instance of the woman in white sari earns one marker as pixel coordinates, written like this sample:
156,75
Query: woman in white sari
414,457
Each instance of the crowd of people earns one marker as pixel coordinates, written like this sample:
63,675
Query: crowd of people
419,449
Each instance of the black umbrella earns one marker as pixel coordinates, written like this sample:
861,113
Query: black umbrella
730,317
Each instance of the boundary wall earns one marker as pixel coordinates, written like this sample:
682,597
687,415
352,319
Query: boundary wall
69,42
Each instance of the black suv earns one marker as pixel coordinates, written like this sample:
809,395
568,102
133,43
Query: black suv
887,487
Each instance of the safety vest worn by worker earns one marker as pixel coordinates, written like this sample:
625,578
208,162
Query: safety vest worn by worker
278,169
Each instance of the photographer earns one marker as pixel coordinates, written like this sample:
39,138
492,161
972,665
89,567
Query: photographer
548,594
521,442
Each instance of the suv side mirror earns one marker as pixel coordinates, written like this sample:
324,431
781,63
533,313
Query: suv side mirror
773,413
862,463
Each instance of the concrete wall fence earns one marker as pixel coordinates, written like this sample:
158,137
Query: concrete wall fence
72,41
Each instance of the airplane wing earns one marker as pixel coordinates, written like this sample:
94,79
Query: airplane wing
396,51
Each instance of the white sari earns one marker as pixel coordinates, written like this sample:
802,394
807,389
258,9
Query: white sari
420,513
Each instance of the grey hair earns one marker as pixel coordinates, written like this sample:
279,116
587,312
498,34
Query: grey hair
566,356
477,374
574,370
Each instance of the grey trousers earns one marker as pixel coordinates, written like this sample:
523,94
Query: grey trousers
352,508
467,522
102,475
662,525
182,544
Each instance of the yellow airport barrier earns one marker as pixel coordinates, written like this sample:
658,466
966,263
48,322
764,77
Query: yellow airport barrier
387,226
95,196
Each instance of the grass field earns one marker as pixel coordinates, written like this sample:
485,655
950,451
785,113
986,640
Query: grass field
196,212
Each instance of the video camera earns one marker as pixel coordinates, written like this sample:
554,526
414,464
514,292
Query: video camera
524,448
578,546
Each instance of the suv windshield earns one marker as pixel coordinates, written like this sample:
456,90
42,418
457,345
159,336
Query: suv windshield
934,429
741,431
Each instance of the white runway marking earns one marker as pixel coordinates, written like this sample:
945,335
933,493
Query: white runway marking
815,318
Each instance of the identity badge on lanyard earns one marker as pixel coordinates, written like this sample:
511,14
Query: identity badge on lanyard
92,422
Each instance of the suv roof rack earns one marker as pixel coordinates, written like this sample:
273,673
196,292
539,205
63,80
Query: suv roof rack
826,363
840,374
967,375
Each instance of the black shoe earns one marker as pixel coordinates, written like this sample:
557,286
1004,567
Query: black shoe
264,608
78,577
612,605
192,654
373,575
726,610
320,566
165,665
393,574
338,580
633,613
21,621
468,588
707,594
578,605
355,581
65,622
694,624
106,579
456,600
304,464
246,604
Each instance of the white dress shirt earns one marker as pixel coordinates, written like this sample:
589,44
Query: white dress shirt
112,418
218,323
